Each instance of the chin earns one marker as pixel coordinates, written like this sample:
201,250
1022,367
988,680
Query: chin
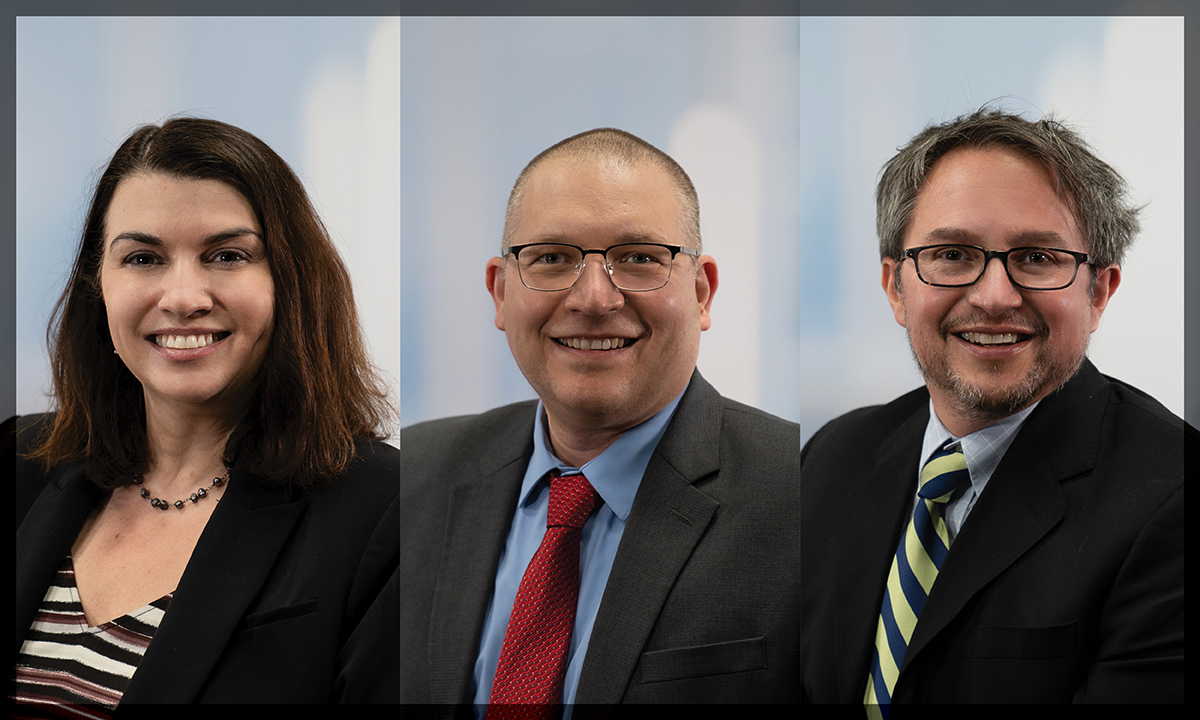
605,403
990,397
190,394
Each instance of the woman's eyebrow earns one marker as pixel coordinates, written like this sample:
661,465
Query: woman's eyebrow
148,239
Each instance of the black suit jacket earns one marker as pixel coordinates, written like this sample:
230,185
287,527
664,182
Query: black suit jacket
288,597
1064,584
702,602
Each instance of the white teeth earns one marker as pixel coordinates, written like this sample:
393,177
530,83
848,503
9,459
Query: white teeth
985,339
586,344
183,342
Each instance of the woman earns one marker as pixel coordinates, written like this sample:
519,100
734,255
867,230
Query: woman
209,515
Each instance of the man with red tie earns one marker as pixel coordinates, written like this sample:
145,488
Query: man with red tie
631,536
1012,531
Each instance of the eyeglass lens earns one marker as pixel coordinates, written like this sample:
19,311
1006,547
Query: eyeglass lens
1029,267
555,267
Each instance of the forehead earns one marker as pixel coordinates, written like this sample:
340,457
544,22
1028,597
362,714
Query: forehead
993,197
164,203
597,202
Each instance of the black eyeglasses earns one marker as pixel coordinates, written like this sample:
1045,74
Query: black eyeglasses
1031,268
637,267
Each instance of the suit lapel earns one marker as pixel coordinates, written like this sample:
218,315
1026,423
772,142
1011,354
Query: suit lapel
1022,502
866,545
477,524
667,520
231,561
45,537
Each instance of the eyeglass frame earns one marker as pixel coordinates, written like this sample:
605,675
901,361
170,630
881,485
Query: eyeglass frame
515,251
1080,259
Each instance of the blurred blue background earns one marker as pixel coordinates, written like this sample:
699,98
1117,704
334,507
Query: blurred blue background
482,96
323,92
408,133
868,85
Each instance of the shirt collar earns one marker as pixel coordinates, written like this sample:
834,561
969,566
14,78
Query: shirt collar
983,448
615,473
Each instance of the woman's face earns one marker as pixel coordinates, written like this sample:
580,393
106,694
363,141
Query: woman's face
188,290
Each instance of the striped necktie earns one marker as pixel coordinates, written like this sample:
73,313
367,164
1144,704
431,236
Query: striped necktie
914,569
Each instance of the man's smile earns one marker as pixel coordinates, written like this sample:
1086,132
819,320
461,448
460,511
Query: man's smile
985,339
596,343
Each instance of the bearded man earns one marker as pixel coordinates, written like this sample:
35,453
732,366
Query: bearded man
1013,530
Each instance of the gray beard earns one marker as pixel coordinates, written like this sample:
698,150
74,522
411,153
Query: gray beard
972,402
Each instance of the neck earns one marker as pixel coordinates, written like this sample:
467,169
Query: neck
962,421
576,449
577,439
185,449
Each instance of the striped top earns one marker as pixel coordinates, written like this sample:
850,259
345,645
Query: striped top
67,668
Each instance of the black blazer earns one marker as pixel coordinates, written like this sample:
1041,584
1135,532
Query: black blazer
288,597
702,602
1064,584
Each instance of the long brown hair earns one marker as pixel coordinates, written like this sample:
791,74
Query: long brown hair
316,392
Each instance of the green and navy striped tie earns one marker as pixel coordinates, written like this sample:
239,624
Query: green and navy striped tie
914,569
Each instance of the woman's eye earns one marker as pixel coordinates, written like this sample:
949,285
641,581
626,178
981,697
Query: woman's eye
228,257
141,259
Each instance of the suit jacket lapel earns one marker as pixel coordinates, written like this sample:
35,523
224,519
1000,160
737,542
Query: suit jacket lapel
45,537
477,523
866,546
668,518
1023,500
231,561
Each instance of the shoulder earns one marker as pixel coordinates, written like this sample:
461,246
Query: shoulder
19,434
761,432
1141,405
466,444
468,426
26,428
375,469
371,455
1092,402
703,411
866,427
737,413
364,494
367,491
1122,425
338,518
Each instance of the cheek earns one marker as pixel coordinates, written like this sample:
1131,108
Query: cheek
923,315
677,309
121,305
259,303
267,309
525,315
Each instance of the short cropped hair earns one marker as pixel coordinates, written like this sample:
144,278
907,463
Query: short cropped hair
315,393
612,145
1096,194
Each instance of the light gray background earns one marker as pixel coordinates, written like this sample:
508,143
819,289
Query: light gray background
482,96
782,122
322,92
867,85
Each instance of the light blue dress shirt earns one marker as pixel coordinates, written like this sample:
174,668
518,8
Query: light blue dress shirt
983,449
616,475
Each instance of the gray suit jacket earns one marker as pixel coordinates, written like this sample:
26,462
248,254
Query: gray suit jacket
702,604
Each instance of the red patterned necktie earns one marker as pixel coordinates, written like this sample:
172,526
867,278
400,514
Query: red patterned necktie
533,659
